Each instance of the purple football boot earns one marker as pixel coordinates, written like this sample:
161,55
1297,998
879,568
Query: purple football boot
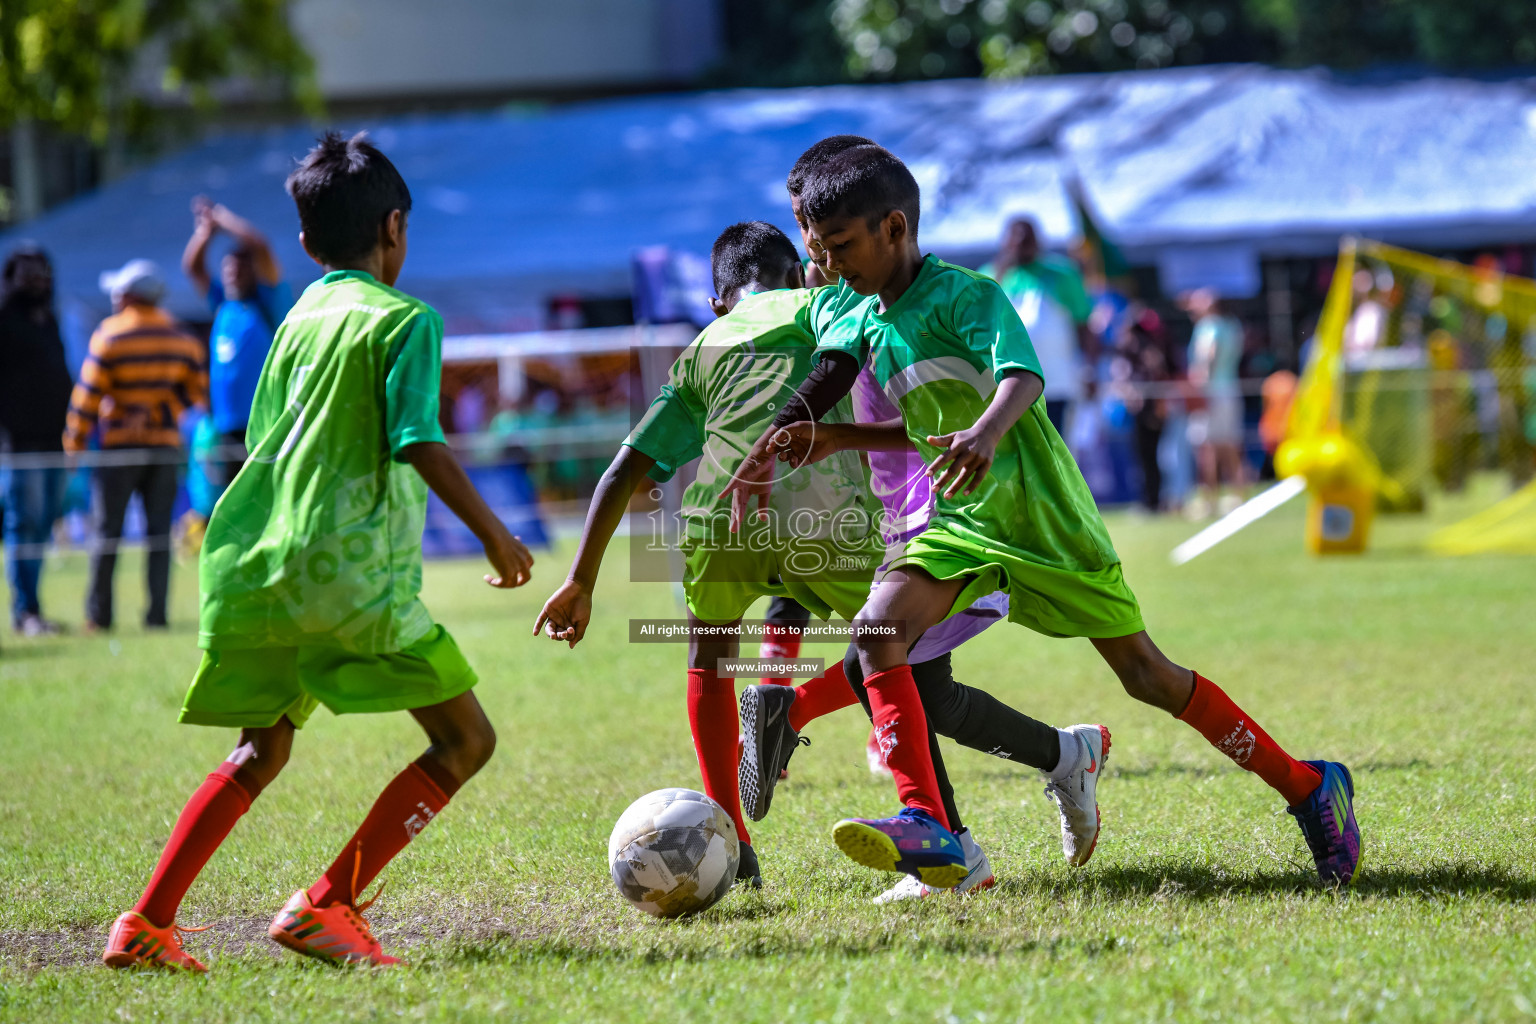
1327,820
912,842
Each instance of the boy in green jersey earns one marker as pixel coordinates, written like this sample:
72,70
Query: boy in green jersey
311,568
1012,511
821,545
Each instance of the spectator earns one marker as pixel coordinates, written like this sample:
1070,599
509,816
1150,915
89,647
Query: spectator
1146,352
249,300
143,372
1367,327
1216,431
34,397
1048,292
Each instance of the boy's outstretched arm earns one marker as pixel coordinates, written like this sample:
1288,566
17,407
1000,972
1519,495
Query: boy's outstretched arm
969,453
803,443
569,609
442,472
831,379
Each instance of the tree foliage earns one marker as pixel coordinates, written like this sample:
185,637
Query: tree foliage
98,67
898,39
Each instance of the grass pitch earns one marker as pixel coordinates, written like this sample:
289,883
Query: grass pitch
1200,903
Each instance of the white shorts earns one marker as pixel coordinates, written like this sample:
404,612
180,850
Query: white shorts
1220,422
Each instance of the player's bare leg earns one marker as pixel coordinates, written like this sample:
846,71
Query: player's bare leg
461,737
909,599
1319,794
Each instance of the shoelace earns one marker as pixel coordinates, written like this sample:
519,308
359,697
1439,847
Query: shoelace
355,909
800,741
177,930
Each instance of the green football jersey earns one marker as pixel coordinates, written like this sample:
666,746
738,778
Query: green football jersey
317,540
724,391
938,354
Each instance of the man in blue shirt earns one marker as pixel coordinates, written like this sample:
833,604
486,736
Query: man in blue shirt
249,299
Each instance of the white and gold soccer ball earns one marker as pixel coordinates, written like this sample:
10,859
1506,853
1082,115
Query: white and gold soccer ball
673,852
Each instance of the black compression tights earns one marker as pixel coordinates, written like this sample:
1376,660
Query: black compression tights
971,717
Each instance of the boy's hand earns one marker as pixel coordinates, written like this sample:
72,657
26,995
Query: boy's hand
968,455
805,442
566,613
753,478
510,558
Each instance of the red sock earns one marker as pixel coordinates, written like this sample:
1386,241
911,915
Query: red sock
902,727
715,723
779,642
1233,732
823,695
412,798
202,825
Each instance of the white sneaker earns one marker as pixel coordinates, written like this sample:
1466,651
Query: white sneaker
876,757
976,863
1075,793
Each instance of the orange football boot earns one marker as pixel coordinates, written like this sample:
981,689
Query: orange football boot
134,942
338,934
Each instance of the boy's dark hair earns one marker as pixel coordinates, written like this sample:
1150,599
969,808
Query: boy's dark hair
25,250
344,189
751,251
817,154
865,181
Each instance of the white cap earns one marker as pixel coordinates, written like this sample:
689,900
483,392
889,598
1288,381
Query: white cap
139,279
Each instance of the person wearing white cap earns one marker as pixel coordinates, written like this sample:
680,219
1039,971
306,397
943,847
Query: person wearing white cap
142,373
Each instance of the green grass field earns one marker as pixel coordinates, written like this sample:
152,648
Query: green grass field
1200,904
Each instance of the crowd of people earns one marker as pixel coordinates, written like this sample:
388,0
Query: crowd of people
126,416
1115,381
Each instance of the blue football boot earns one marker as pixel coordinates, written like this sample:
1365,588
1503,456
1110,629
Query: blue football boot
912,842
1327,820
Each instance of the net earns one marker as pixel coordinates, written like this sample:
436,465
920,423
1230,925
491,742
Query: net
1427,367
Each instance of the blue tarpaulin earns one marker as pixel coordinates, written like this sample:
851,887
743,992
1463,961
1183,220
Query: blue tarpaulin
1198,168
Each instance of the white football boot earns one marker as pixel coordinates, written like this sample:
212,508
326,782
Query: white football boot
976,863
1074,785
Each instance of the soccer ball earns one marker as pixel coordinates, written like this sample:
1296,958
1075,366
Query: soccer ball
673,852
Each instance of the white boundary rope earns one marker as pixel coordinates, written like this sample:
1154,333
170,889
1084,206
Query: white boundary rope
1249,512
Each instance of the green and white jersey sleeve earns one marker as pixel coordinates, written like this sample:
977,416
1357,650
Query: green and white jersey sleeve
672,429
723,393
317,541
837,317
413,384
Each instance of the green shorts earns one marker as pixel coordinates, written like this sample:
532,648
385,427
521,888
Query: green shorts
1056,602
720,582
254,687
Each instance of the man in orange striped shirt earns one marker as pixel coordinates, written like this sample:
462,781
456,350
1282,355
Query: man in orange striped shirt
144,371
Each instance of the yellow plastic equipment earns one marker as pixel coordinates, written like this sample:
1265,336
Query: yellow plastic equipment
1508,527
1342,484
